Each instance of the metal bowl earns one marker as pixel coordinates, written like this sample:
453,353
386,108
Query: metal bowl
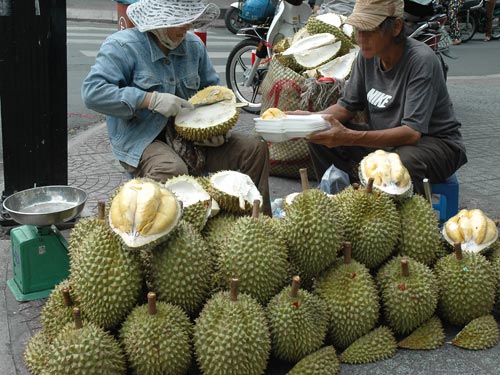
45,205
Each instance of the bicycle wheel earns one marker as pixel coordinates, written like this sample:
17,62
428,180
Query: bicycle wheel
238,67
467,29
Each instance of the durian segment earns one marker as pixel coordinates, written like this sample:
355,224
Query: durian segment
388,172
35,353
377,345
196,202
272,113
428,336
85,351
481,333
166,333
330,23
234,191
339,68
472,228
311,42
217,119
322,48
143,212
322,362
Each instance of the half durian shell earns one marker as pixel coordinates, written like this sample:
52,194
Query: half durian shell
211,120
339,68
143,213
315,50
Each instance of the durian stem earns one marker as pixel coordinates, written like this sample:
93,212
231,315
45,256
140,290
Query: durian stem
77,317
304,179
347,252
294,293
234,289
152,303
101,210
405,272
255,208
496,223
355,185
369,185
66,297
457,246
427,190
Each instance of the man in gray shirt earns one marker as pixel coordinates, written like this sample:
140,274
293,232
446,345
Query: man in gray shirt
400,85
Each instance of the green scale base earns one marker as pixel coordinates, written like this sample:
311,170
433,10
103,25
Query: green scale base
40,261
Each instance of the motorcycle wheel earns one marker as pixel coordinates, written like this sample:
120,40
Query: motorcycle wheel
467,29
238,67
496,31
233,21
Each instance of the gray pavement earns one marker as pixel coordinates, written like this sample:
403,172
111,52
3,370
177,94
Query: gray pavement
93,168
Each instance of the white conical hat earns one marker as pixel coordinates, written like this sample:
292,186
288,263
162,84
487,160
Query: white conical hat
156,14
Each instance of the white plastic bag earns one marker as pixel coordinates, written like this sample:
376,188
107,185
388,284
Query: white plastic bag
334,180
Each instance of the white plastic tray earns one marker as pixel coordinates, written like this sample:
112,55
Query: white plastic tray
290,127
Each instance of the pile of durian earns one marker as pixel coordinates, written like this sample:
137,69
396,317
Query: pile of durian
188,277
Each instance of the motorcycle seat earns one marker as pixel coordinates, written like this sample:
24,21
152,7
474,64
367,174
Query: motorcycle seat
469,4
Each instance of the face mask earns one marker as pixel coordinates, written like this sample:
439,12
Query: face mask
163,38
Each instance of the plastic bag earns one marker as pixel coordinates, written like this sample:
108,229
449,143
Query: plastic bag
334,180
343,7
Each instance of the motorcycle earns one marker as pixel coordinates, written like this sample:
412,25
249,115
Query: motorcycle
241,15
472,19
248,62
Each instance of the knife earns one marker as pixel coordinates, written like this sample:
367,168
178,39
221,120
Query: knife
198,105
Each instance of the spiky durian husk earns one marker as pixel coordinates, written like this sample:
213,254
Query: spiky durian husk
322,362
298,325
79,234
420,238
197,214
181,269
429,335
467,287
313,232
407,301
158,344
216,232
256,256
35,353
107,279
493,255
316,26
351,297
85,351
232,337
55,314
371,223
480,333
377,345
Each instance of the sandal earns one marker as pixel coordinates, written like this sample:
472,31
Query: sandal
487,38
456,42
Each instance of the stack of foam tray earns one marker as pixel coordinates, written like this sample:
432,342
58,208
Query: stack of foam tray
290,127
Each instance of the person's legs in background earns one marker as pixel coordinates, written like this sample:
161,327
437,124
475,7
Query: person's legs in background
490,6
453,8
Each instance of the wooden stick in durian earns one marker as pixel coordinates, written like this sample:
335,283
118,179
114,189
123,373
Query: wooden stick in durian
369,186
152,303
66,297
77,317
405,272
457,247
294,293
256,208
234,290
347,252
304,179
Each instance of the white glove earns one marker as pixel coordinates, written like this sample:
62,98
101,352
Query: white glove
215,141
167,104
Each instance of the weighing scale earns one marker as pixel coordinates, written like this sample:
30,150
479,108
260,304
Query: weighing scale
39,251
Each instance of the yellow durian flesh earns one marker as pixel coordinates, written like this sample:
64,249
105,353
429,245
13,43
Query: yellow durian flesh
142,212
472,228
212,94
272,113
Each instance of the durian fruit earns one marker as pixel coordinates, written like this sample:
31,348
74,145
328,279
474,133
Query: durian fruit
322,362
371,223
420,237
409,293
216,232
255,255
234,191
467,286
180,269
211,120
375,346
330,23
312,230
58,309
351,297
493,255
339,68
481,333
106,278
143,212
157,339
231,335
315,50
272,113
84,349
388,173
196,202
429,335
36,352
472,228
298,322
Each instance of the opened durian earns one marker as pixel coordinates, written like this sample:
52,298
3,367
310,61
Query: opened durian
377,345
472,228
388,173
339,68
211,120
143,212
330,23
481,333
315,50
